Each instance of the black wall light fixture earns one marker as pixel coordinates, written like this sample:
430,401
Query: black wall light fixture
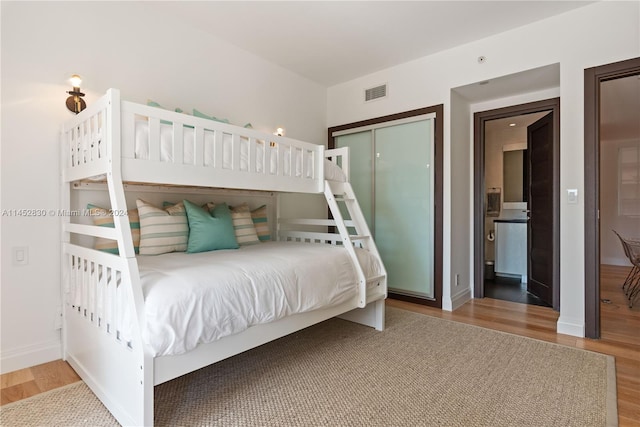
75,102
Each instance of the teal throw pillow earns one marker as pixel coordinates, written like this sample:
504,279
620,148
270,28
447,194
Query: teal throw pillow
210,231
200,114
151,103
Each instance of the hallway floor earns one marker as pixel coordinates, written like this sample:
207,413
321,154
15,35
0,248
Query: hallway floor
509,289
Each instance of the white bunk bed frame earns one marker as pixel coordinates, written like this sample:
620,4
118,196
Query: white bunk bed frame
100,142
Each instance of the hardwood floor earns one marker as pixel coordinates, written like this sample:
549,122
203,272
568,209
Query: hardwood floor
620,338
28,382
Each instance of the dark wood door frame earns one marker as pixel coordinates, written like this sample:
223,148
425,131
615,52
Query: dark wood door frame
479,233
438,190
592,79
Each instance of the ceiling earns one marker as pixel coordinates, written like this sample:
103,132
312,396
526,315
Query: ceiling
331,42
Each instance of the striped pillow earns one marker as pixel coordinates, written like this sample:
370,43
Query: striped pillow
103,218
261,222
162,230
243,225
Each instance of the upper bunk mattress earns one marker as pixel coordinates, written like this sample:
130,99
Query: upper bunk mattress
199,298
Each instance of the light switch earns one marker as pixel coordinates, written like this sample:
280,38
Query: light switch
572,196
20,255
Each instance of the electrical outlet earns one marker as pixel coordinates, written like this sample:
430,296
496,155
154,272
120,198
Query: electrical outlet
457,281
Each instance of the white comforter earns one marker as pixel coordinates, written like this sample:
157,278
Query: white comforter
199,298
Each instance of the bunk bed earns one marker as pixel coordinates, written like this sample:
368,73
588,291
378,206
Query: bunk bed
111,336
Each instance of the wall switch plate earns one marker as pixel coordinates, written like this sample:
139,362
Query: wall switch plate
572,196
20,255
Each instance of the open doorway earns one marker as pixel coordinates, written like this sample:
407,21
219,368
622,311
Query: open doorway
612,197
517,203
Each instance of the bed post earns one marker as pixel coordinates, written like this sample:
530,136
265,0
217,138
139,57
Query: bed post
65,236
372,315
126,251
102,296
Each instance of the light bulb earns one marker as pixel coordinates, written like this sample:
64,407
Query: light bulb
76,80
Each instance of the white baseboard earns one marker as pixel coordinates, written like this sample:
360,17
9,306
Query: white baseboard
26,357
568,327
460,299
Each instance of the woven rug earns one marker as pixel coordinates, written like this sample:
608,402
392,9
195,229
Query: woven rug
421,371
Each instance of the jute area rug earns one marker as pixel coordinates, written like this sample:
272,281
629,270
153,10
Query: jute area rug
421,371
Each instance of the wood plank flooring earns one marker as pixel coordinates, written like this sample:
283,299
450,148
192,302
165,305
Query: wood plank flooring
28,382
620,338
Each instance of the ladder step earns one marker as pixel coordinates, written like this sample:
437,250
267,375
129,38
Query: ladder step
344,199
359,237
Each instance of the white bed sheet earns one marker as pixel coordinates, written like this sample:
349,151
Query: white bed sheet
332,171
199,298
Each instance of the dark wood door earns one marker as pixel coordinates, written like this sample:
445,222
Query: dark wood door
540,225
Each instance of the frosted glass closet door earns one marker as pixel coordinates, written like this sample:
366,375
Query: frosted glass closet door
361,170
403,205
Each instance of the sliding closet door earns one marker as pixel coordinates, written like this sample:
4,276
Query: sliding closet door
403,201
392,175
361,171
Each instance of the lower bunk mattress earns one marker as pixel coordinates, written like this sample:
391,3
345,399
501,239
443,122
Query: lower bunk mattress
199,298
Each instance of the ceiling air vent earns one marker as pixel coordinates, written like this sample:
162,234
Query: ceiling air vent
375,93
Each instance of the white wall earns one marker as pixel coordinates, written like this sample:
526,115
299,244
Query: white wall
110,44
589,36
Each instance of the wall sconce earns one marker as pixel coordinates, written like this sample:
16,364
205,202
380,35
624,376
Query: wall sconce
279,132
75,102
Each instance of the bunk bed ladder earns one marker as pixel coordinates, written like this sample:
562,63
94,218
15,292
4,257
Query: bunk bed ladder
344,194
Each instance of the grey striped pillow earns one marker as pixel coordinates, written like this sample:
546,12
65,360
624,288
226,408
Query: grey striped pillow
243,225
162,230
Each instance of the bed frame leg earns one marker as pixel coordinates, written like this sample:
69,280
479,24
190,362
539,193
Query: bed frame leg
372,315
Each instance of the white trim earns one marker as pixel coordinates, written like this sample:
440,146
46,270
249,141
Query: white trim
574,327
31,355
459,299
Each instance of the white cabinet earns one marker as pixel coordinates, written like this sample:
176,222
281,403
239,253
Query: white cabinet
511,248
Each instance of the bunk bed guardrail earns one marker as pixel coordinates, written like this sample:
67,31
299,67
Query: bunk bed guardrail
162,143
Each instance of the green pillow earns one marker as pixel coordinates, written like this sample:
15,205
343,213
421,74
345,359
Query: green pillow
210,231
151,103
197,113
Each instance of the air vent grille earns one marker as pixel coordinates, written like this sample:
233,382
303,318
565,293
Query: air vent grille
375,93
